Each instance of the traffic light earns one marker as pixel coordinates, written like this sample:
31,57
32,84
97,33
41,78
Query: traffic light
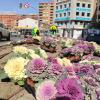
20,5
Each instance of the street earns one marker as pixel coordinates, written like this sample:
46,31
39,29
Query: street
2,43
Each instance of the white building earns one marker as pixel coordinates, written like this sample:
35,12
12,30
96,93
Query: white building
73,14
98,10
27,23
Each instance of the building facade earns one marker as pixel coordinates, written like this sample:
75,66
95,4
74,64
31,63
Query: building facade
74,14
98,10
46,14
27,23
10,20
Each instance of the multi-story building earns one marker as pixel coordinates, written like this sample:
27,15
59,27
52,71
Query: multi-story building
98,10
8,19
74,14
46,13
11,19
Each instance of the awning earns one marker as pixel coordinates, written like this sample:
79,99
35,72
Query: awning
23,27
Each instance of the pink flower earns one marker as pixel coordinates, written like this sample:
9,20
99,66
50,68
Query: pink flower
69,88
55,69
46,90
36,65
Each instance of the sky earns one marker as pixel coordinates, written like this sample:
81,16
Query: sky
13,6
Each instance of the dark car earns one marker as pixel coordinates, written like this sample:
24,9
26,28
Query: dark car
27,34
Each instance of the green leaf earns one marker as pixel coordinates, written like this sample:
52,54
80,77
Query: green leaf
20,82
2,74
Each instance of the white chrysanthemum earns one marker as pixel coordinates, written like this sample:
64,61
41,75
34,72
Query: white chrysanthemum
95,62
34,56
46,90
31,51
66,62
59,60
43,54
15,68
85,61
20,49
67,43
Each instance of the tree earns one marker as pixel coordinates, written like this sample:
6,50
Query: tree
95,25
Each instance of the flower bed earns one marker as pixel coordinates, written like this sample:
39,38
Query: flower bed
78,51
50,78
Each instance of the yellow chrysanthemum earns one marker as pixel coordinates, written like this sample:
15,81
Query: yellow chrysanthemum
66,62
15,68
20,49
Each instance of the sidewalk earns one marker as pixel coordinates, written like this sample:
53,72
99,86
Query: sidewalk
9,91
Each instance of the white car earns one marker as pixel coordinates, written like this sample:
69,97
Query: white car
4,33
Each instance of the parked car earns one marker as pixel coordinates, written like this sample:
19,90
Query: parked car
4,32
27,34
15,34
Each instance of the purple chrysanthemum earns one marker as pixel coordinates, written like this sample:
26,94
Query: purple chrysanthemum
91,81
55,69
46,90
96,66
98,93
36,65
98,71
84,69
48,40
69,88
52,60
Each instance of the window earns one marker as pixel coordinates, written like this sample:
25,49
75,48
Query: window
81,22
88,14
56,7
60,15
98,16
64,14
78,4
76,22
83,5
69,4
99,8
40,14
65,23
77,13
65,5
56,15
40,6
83,14
60,6
68,13
61,23
89,5
1,25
